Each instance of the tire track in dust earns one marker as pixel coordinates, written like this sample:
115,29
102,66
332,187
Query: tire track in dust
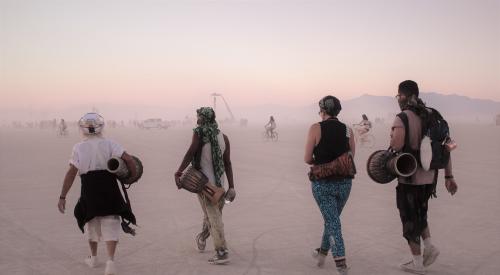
255,253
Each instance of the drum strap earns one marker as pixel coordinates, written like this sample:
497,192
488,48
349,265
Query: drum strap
126,223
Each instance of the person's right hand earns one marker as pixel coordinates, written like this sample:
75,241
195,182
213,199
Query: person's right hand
61,205
230,194
177,177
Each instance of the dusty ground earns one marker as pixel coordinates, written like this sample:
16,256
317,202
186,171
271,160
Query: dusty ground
272,226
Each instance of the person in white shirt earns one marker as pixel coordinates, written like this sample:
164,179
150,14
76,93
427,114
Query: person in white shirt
101,204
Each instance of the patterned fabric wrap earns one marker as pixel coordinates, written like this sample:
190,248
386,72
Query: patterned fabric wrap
208,130
341,167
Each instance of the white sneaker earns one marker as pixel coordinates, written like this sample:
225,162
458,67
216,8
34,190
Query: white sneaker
110,268
91,261
320,257
341,265
430,255
412,268
221,257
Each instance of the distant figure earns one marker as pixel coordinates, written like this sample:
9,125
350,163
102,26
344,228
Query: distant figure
413,193
326,141
209,153
243,122
63,128
364,126
101,204
270,126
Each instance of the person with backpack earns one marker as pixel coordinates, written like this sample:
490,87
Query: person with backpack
414,122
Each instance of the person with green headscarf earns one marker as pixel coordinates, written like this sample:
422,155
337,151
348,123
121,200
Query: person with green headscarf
209,152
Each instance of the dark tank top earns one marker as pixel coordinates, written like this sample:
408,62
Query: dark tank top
333,143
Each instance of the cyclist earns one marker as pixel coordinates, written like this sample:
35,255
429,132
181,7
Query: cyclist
270,126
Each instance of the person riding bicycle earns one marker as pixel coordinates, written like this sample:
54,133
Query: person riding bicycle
270,126
364,126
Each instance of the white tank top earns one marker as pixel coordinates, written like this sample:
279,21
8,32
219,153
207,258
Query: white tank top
206,159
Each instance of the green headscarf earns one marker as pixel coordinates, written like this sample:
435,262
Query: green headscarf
208,130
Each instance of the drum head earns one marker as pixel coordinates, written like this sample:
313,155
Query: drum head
426,153
376,167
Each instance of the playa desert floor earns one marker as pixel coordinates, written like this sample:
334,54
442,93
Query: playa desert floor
271,227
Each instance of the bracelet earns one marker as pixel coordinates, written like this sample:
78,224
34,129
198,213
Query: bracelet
62,198
448,177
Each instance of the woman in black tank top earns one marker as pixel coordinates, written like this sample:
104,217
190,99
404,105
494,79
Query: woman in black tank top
326,141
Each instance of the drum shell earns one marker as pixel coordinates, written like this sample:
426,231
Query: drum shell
403,165
384,166
117,166
213,193
376,166
193,180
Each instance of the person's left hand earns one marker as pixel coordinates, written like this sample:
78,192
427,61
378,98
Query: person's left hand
451,186
61,205
230,194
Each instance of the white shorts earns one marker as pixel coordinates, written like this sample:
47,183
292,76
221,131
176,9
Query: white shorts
106,228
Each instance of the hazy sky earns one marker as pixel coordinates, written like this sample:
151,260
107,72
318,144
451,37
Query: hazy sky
168,53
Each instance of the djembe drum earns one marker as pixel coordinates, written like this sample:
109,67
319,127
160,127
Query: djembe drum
117,166
195,181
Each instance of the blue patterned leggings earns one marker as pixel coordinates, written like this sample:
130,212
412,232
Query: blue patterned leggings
331,196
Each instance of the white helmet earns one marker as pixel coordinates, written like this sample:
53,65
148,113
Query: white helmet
91,123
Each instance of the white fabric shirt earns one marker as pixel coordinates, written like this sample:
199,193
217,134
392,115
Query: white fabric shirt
93,153
206,159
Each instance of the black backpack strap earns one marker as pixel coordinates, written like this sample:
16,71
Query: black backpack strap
404,117
407,148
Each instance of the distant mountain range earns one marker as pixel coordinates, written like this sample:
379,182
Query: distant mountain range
452,107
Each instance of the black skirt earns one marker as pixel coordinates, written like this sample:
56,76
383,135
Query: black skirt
100,196
412,202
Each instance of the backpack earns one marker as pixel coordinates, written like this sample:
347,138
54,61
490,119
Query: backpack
432,153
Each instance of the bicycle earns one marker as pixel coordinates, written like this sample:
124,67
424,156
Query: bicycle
366,140
270,135
62,132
